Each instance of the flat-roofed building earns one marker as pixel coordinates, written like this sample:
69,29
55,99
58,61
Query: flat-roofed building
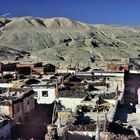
17,104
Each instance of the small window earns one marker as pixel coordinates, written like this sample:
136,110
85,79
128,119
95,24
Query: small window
45,93
36,94
28,102
17,109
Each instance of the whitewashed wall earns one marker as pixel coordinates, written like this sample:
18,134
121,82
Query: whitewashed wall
45,100
70,102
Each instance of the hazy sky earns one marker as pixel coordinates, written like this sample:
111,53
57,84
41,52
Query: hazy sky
90,11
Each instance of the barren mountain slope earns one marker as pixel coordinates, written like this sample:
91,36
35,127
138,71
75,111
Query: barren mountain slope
61,39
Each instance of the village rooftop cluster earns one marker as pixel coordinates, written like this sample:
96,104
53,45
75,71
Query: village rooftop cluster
43,101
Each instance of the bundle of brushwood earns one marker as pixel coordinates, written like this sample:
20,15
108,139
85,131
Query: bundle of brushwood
52,133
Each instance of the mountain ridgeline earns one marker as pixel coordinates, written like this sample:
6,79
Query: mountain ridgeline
62,39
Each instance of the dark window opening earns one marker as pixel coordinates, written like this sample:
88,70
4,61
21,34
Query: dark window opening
18,109
35,94
45,93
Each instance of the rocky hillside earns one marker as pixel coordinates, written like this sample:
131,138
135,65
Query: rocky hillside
61,39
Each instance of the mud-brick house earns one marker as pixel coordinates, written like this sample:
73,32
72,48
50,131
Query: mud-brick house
18,105
24,69
117,67
45,95
48,68
10,67
29,69
132,86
